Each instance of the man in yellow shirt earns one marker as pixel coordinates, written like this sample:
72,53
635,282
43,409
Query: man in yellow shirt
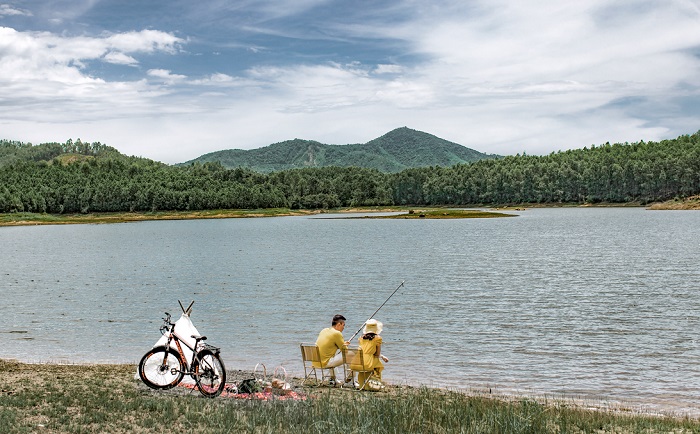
330,344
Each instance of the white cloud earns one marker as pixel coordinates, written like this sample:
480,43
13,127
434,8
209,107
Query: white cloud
221,78
9,10
388,69
25,57
43,77
165,75
118,58
145,41
37,55
218,79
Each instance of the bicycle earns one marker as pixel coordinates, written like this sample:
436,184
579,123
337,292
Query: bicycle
164,367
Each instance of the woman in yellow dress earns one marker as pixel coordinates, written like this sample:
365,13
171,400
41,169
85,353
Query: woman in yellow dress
371,346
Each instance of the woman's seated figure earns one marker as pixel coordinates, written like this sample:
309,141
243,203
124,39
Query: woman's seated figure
371,347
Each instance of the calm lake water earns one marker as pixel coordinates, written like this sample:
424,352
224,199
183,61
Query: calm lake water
597,304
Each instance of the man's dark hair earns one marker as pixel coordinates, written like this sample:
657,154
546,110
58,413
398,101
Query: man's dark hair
337,319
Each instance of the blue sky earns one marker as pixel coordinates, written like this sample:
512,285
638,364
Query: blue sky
171,80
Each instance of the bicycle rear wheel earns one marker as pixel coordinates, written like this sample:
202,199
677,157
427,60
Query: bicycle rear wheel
210,373
161,368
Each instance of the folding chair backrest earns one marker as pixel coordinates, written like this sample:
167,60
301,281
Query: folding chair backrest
357,361
311,354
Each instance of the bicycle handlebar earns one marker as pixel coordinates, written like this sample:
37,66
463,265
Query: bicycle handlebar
167,324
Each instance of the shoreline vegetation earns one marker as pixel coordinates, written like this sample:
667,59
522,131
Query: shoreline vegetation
61,398
689,203
29,219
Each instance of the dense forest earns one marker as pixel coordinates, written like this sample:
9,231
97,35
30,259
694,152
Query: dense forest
77,177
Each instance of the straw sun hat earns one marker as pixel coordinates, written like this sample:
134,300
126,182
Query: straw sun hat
373,326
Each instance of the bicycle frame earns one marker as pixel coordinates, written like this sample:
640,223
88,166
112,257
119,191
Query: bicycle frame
173,336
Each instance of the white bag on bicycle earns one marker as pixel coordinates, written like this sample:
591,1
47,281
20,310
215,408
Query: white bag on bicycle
184,329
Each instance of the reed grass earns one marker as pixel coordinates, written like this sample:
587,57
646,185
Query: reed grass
107,399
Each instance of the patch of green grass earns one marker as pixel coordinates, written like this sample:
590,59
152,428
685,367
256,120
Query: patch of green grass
107,398
446,214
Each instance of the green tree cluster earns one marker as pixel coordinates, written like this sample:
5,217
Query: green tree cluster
14,151
77,177
640,172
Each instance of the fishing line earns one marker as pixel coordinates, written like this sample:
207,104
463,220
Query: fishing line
375,312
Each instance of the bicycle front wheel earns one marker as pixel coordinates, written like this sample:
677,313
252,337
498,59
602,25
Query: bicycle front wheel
210,373
161,368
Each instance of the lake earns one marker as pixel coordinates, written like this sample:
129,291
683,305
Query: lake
596,304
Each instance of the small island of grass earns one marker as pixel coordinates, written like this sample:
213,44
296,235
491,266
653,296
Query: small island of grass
442,214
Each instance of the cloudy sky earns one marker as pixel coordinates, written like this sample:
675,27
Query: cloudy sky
171,80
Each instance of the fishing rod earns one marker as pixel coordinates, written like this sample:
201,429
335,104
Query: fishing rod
375,312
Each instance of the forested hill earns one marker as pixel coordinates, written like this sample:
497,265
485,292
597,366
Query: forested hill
395,151
90,177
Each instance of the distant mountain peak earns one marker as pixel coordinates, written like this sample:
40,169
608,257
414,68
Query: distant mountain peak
405,135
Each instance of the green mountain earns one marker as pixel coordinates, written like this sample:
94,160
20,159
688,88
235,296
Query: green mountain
395,151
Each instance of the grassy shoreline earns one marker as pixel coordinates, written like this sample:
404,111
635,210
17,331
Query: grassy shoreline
106,398
30,219
689,203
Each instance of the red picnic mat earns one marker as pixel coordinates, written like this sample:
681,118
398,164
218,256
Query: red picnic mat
274,394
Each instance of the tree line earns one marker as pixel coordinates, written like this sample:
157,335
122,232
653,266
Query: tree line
77,177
